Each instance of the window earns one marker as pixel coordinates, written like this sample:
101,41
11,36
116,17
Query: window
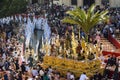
105,2
88,2
74,2
34,1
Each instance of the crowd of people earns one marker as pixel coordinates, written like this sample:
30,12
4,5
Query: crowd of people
12,62
112,68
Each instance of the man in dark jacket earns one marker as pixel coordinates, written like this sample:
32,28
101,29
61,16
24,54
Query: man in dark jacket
23,67
6,76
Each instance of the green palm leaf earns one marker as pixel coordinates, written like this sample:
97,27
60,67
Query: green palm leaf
85,20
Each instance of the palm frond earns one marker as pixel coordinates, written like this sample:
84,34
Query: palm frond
86,20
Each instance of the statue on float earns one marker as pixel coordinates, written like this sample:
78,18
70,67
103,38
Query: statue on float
37,33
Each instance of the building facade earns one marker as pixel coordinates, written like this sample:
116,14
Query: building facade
37,1
115,3
112,3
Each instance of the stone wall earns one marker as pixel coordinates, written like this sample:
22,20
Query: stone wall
80,2
114,3
66,2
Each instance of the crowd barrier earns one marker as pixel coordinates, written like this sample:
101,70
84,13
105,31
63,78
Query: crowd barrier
111,53
114,41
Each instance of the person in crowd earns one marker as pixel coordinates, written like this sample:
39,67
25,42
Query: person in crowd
6,65
116,73
72,77
23,68
19,76
109,61
118,64
16,64
45,77
49,70
30,60
41,72
97,76
27,67
68,75
113,60
83,76
34,72
6,76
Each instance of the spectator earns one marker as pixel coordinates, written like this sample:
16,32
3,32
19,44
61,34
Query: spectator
83,77
72,77
30,61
